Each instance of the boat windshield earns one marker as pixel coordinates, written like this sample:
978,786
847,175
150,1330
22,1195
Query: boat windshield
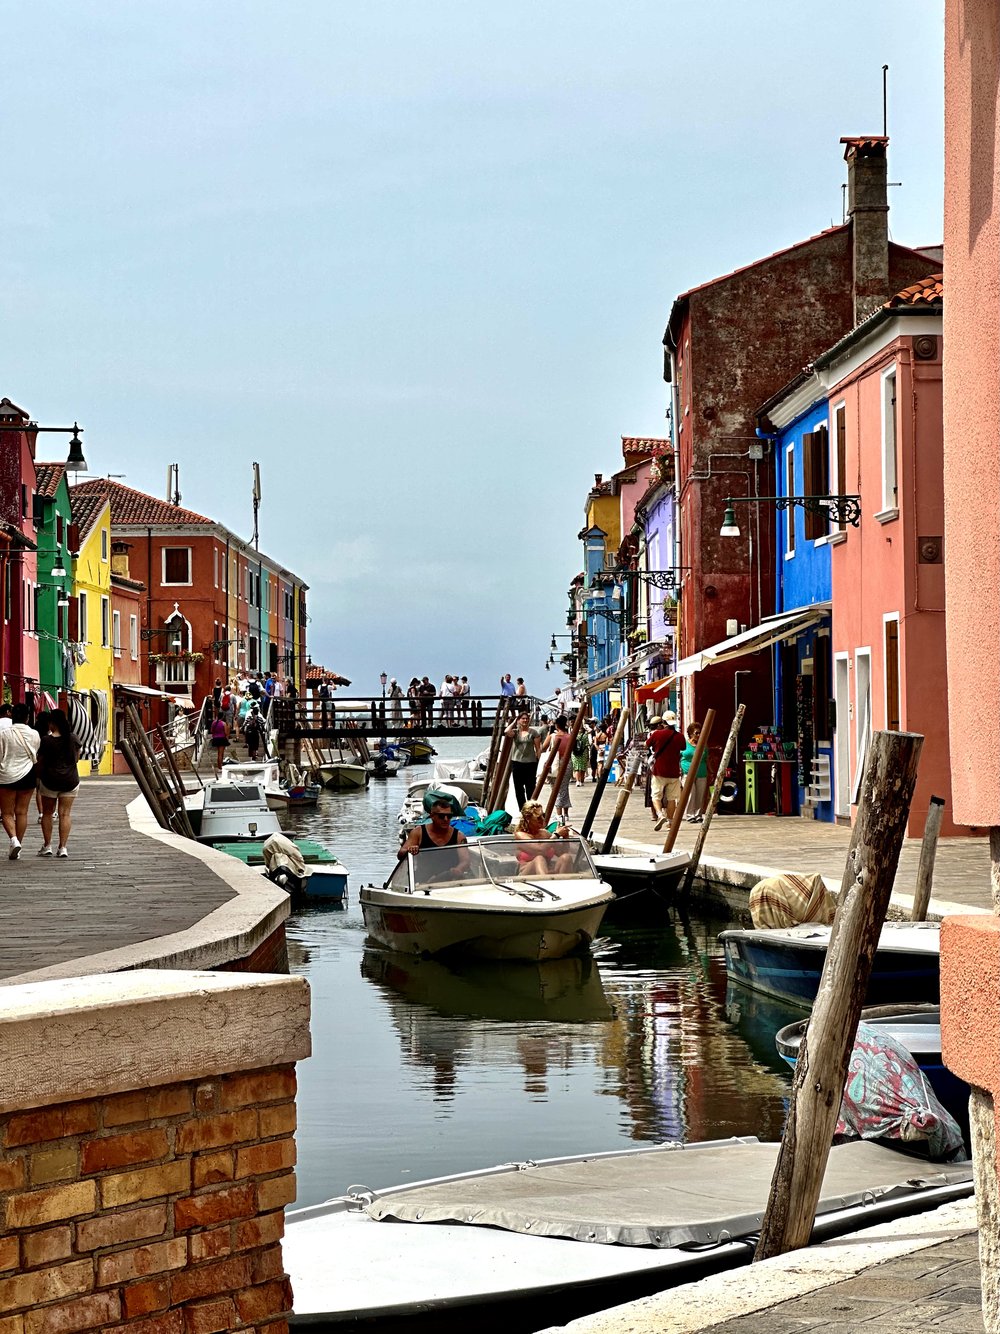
497,859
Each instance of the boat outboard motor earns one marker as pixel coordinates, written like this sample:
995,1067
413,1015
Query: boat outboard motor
284,864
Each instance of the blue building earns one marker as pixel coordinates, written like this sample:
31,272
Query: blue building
797,421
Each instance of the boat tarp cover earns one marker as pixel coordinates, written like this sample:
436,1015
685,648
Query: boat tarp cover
669,1197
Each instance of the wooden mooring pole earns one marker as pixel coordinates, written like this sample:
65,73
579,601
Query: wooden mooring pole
928,853
713,800
689,781
821,1067
603,776
624,792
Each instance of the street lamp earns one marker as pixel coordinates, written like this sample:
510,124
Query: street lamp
13,419
844,508
384,678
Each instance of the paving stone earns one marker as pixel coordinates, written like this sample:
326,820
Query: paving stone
116,888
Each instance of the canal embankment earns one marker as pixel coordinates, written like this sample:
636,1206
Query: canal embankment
742,849
131,895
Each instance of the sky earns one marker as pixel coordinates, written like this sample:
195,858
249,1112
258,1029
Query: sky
416,260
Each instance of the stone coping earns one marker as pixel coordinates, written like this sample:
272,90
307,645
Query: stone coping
230,932
744,875
698,1306
86,1037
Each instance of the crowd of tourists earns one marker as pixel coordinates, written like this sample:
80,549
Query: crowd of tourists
240,708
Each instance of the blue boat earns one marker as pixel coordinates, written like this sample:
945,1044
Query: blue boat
786,962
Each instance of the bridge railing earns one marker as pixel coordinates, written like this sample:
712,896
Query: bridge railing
389,717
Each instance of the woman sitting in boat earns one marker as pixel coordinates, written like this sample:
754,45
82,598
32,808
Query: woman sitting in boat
439,833
543,857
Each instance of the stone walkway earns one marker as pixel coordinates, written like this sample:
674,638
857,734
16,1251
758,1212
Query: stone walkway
768,843
117,887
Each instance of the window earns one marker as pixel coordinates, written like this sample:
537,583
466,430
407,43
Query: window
82,628
133,638
215,566
59,529
116,633
816,479
891,629
104,546
889,487
790,491
105,623
36,598
176,565
254,654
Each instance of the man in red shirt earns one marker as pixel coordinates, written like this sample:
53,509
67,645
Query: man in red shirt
665,744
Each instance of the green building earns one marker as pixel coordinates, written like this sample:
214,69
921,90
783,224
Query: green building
55,574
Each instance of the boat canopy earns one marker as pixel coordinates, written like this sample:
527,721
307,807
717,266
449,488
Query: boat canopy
671,1195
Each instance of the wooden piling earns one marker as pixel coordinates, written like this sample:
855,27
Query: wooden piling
689,781
501,780
604,775
550,755
624,792
564,759
821,1067
928,853
713,799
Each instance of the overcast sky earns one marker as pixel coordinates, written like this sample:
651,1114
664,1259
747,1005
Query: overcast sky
416,259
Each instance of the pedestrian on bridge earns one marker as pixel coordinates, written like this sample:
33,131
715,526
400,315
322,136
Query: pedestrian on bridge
395,704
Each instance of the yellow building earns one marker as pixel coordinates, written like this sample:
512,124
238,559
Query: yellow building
604,511
90,629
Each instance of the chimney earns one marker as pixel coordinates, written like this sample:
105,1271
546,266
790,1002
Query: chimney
119,558
868,214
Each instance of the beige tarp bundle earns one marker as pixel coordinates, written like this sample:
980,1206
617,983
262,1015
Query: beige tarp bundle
788,900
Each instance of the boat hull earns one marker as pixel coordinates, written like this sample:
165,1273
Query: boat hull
419,927
790,970
640,882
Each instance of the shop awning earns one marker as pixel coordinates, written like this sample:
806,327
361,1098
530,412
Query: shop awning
184,700
654,689
770,631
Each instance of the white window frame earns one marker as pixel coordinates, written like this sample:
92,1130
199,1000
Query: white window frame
862,721
104,546
790,491
180,583
889,385
215,566
83,627
133,638
116,633
105,622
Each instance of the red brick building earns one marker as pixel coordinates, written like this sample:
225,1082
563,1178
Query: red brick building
212,605
730,344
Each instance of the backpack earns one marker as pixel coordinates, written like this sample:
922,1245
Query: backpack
581,746
226,701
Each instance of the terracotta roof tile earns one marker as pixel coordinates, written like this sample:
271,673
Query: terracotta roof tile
927,292
131,506
636,448
86,509
48,477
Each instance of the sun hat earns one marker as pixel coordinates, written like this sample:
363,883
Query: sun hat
655,720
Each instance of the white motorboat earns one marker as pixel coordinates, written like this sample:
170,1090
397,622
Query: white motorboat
280,795
466,791
463,772
629,872
496,898
225,811
565,1236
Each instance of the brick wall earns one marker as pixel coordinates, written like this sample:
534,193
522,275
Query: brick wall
158,1211
146,1151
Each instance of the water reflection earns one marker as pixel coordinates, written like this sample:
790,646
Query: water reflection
422,1067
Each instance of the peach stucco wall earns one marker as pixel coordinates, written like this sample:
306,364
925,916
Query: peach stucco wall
876,571
972,402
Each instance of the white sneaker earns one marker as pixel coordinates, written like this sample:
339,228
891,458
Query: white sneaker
44,852
15,850
62,853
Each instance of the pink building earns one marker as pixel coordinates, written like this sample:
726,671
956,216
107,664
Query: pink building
888,628
19,656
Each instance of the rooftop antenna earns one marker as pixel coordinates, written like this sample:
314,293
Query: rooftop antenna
256,505
885,101
173,484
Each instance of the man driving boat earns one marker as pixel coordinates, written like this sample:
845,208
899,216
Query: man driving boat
453,846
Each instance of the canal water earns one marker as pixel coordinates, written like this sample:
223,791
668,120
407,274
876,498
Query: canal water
421,1068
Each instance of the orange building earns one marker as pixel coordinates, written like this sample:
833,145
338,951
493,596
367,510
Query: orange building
212,606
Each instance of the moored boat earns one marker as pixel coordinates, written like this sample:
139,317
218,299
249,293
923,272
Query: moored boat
786,962
418,748
641,879
477,900
564,1236
281,795
344,776
325,875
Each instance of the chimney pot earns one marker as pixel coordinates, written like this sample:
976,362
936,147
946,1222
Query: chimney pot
868,214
